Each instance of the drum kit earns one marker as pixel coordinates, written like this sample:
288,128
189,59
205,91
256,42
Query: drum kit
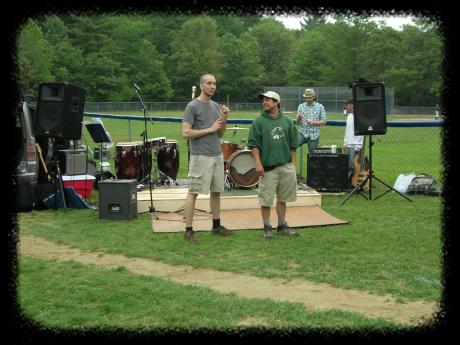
158,159
240,168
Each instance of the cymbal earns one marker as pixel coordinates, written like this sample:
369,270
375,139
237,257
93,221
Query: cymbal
236,128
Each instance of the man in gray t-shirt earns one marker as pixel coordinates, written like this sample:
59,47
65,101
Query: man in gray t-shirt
203,124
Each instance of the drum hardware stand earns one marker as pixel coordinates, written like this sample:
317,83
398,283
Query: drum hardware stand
359,187
145,136
227,183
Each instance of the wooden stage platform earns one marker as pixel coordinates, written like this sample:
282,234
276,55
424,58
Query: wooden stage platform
173,199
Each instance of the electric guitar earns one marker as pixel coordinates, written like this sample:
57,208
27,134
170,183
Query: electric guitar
361,163
40,153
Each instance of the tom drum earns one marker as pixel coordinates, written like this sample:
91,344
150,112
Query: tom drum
228,149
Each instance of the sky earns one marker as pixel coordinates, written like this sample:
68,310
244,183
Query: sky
396,22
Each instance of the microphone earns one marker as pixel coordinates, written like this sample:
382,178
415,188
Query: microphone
136,87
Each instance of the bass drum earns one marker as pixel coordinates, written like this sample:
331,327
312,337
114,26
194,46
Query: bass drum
168,159
132,161
242,169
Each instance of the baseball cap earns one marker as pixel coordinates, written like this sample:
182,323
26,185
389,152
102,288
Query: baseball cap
270,94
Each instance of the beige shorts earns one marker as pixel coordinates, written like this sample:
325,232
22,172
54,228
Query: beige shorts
205,174
282,182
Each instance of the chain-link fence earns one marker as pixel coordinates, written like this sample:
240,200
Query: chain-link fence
332,98
333,104
407,146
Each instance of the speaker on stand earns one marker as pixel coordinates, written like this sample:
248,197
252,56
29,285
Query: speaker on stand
59,112
59,116
369,119
369,109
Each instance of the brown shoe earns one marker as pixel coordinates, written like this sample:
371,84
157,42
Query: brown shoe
222,230
268,233
283,230
190,236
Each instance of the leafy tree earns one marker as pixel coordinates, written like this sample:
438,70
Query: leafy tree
139,56
275,42
240,66
67,59
34,58
107,80
312,22
195,52
310,60
417,71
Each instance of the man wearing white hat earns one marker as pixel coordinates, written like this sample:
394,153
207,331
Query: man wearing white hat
273,142
310,115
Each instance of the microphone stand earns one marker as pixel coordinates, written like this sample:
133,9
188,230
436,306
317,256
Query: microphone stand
139,95
188,141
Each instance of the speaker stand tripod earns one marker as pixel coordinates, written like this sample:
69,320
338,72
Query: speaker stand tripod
370,176
58,184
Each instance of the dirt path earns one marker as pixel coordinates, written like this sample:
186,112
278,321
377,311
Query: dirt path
316,296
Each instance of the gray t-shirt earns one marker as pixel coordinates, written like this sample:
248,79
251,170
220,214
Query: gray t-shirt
202,115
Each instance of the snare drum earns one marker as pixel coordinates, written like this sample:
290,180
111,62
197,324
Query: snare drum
228,149
242,169
168,159
132,161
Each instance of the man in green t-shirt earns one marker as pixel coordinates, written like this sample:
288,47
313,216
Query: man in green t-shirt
273,140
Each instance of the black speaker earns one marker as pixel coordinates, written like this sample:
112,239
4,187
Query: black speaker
327,171
59,112
117,199
369,108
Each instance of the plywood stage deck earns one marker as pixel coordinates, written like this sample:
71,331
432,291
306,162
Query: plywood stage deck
173,199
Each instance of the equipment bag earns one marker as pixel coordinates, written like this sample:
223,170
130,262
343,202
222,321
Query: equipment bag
423,184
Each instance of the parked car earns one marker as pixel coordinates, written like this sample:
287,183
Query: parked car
26,175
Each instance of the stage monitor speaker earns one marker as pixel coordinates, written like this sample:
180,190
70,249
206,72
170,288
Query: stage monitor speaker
328,171
117,199
59,112
369,109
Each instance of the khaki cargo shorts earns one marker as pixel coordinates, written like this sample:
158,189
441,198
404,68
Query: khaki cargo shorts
282,182
206,174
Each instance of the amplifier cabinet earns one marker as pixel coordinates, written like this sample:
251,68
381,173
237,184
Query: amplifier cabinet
117,199
328,171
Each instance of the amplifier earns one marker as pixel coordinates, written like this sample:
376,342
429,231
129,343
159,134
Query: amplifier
97,153
117,199
327,171
325,150
72,162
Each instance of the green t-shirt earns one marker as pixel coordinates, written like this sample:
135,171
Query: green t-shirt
274,137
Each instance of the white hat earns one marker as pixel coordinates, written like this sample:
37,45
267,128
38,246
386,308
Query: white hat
270,94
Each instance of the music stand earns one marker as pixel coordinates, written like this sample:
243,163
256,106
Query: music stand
99,136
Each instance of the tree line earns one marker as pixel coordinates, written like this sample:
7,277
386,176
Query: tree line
166,54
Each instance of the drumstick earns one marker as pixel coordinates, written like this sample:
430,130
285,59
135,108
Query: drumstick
39,149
